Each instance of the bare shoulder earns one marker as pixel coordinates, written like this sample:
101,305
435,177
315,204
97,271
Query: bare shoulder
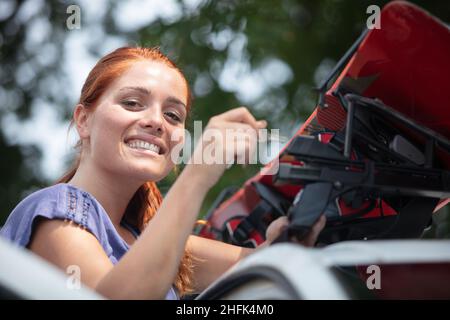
65,243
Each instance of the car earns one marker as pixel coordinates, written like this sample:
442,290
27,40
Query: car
24,275
383,269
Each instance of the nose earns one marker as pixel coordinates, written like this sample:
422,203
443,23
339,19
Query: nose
153,120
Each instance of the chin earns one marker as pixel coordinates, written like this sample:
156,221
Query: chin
152,174
149,175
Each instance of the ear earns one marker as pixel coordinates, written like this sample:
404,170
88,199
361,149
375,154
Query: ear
80,118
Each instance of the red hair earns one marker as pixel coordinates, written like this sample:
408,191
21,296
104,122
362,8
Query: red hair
147,199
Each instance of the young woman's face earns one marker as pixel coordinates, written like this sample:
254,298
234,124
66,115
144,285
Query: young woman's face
131,127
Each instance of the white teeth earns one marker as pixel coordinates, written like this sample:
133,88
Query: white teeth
139,144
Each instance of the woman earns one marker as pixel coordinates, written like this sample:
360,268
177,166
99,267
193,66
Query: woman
101,215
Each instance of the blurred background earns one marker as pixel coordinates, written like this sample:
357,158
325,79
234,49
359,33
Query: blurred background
265,54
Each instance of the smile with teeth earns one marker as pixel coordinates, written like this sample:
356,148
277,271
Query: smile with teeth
140,144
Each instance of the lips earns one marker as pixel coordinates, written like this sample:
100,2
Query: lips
146,142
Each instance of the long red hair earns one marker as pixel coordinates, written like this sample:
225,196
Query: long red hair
147,199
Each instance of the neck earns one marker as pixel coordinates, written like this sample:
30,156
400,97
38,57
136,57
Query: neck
113,192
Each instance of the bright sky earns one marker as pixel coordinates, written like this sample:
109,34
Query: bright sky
46,129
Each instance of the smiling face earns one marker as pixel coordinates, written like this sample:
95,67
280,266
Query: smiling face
129,132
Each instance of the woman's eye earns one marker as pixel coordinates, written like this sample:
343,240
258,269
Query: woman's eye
131,103
173,116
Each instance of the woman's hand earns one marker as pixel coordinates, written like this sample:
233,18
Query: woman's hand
229,137
279,225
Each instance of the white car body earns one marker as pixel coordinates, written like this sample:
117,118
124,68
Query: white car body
281,271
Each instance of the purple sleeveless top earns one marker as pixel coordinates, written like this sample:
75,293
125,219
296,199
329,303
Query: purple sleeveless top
66,202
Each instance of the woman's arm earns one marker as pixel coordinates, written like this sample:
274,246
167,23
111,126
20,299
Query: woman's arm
149,268
213,258
154,258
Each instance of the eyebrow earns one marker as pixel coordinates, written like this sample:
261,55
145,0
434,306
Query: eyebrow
176,101
143,90
140,89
